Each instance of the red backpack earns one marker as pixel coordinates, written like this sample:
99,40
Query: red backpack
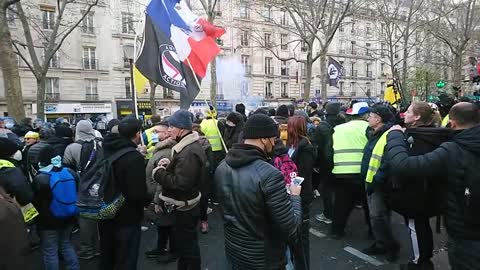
286,166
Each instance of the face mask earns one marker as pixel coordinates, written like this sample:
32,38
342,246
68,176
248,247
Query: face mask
154,138
54,162
17,156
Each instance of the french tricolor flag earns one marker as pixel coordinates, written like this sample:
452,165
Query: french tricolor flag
177,45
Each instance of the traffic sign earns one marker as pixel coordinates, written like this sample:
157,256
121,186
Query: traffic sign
440,84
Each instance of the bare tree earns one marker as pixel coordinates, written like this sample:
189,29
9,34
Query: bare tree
9,65
314,22
455,29
210,8
50,41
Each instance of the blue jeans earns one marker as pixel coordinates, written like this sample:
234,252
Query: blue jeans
463,254
53,241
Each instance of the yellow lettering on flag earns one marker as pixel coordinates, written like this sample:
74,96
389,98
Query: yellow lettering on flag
139,80
391,96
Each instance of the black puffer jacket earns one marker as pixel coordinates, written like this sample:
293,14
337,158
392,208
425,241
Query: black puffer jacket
129,176
259,216
15,183
304,157
456,159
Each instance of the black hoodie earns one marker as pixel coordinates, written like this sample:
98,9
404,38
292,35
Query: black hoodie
259,217
457,160
129,172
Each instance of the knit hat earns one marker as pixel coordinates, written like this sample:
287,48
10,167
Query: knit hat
7,148
32,135
313,105
283,111
235,117
260,126
45,155
181,119
333,108
382,111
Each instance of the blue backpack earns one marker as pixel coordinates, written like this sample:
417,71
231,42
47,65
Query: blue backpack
64,194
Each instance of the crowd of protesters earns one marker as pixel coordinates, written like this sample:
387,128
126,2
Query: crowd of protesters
262,171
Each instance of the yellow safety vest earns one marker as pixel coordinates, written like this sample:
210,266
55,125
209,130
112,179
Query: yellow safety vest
209,128
6,164
376,159
445,120
149,143
349,140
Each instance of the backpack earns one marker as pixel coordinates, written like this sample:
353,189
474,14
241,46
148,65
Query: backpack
64,193
88,155
98,197
283,130
286,166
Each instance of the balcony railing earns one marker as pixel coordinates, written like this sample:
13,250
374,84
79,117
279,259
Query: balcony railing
269,70
284,95
52,97
268,95
91,97
88,29
284,71
90,63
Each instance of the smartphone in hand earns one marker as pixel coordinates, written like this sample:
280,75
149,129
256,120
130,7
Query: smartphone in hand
297,180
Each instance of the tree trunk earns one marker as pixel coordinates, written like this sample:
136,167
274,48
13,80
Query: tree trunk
405,69
9,66
308,77
457,70
213,82
153,104
41,97
323,75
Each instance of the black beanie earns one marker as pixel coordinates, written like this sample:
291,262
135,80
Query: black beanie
260,126
7,148
382,111
283,111
235,117
46,154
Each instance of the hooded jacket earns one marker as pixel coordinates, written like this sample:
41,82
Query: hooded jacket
231,135
83,133
16,184
129,176
259,216
456,159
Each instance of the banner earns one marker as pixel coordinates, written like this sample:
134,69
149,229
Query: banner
335,72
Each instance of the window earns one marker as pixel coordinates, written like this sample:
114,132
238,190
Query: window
267,13
268,40
284,93
244,12
352,30
284,69
52,91
341,48
368,68
268,66
91,90
382,50
87,23
128,88
11,16
396,51
341,28
284,41
303,68
89,58
48,17
352,48
382,67
302,89
353,71
268,90
283,18
367,49
368,29
245,89
340,92
382,29
127,23
369,90
218,9
246,64
54,62
353,91
382,88
244,38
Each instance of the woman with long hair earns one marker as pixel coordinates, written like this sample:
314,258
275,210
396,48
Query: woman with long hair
303,154
417,199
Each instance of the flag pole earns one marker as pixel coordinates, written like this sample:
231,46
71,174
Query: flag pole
208,106
134,91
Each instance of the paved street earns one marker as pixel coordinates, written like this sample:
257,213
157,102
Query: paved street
326,253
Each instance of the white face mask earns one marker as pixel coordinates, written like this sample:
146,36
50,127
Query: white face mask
17,156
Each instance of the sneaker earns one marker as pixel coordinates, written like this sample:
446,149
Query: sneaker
209,210
154,253
374,250
316,193
322,218
204,227
86,255
216,203
144,228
